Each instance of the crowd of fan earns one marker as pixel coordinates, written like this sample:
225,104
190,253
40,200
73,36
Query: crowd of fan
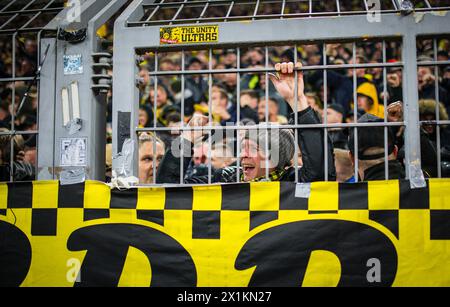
256,102
23,148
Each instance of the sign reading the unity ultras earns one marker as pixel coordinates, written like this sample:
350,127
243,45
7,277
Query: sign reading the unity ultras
380,233
189,34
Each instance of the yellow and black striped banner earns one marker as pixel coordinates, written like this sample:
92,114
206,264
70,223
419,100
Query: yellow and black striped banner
380,233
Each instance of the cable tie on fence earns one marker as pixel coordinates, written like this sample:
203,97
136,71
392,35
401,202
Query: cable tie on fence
122,183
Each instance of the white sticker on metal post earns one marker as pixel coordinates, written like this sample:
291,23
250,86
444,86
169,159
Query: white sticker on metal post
73,64
302,190
73,152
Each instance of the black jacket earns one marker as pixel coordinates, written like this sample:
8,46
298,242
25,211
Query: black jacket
427,152
376,172
22,171
338,138
310,141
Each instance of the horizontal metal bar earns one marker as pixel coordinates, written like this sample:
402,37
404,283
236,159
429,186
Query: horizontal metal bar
264,70
433,63
435,122
274,126
13,132
101,54
17,79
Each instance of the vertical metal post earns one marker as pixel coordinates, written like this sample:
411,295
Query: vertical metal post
155,98
325,100
210,123
283,6
238,102
295,113
386,166
355,112
13,112
266,66
183,69
125,100
411,114
436,95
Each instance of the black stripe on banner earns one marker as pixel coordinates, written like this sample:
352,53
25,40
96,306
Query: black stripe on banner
353,196
236,197
95,214
258,218
323,212
288,201
155,216
20,195
3,212
71,196
418,198
179,198
206,225
440,225
43,222
387,218
125,199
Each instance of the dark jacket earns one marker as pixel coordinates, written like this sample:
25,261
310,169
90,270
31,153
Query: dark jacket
338,138
198,86
22,171
428,153
376,172
310,141
429,92
340,86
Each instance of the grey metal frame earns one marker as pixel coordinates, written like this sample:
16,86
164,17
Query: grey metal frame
129,38
93,84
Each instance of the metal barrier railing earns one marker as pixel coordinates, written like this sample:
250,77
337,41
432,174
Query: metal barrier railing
185,12
239,71
145,19
21,25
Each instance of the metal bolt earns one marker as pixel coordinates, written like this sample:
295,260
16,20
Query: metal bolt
406,7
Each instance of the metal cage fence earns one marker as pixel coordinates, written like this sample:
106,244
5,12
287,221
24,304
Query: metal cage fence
22,23
139,26
259,24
